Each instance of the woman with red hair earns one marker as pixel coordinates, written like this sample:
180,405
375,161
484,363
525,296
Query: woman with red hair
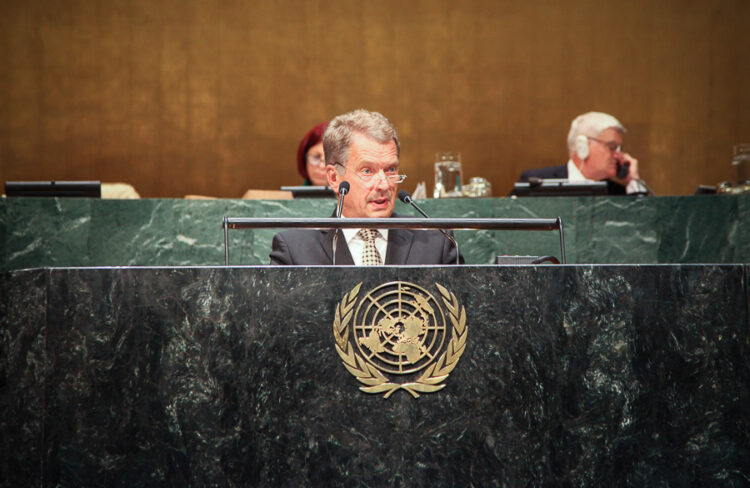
311,163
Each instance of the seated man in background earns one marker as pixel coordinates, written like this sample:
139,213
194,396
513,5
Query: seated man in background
595,149
362,148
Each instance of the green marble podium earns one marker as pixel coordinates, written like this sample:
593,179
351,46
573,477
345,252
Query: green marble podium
81,232
129,356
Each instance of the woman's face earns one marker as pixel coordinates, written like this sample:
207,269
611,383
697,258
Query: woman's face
316,165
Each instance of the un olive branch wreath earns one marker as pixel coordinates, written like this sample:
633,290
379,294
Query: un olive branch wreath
369,375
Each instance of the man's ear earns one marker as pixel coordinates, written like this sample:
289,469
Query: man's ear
334,179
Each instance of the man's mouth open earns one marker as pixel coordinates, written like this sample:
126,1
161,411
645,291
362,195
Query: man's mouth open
380,202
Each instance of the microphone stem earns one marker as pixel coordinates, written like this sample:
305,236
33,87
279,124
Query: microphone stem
448,236
335,240
455,244
339,208
645,186
421,211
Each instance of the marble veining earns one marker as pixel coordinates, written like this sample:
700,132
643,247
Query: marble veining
625,375
38,232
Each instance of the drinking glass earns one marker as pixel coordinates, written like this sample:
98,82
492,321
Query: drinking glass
448,175
741,163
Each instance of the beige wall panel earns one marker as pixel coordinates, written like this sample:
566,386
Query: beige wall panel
212,97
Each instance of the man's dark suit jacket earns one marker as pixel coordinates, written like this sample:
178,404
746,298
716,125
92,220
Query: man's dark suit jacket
561,172
405,246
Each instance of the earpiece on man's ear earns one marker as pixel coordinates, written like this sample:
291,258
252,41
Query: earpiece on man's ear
582,147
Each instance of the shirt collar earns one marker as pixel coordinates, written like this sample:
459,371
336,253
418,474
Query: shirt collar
350,234
574,174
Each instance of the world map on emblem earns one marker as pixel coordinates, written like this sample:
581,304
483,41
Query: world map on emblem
399,328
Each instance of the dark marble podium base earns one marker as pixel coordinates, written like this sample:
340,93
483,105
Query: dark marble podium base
572,376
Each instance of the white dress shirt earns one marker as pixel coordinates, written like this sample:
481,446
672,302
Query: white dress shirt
357,244
574,174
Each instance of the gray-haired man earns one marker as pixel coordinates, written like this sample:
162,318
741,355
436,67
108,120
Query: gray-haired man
362,148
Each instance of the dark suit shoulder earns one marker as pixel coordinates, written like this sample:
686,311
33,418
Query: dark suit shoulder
299,246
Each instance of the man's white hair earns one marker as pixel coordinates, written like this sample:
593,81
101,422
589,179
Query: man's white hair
592,124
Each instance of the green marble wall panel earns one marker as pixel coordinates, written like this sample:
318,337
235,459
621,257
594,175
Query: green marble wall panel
164,232
44,230
620,230
711,230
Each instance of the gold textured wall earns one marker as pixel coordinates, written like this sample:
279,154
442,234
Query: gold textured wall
212,97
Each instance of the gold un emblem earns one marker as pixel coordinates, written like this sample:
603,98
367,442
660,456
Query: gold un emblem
399,329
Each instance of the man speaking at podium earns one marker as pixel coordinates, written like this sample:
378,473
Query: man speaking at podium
362,149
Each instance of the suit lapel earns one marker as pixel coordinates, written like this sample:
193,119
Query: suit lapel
343,256
399,246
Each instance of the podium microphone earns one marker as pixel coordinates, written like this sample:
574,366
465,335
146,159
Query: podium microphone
343,190
643,188
404,196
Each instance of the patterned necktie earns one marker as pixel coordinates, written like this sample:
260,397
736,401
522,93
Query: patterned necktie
370,254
